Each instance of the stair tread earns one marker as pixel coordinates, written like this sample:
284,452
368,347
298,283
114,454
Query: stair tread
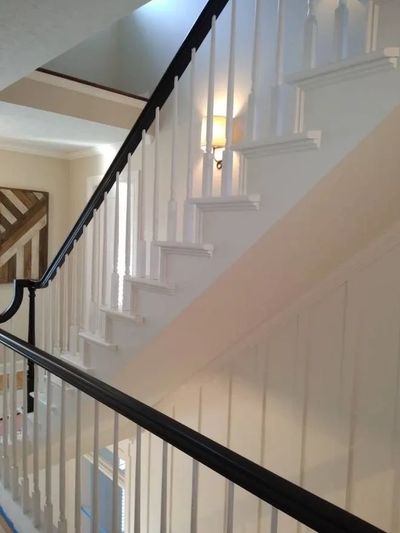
138,319
76,361
152,284
366,62
92,337
186,248
238,202
286,143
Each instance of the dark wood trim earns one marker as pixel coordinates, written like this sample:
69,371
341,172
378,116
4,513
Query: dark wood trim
303,506
92,84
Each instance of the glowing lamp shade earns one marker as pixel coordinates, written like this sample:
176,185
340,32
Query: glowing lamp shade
218,133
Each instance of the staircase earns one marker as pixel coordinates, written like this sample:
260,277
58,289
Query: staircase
175,209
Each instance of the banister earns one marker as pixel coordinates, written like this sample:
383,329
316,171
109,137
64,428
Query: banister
160,95
303,506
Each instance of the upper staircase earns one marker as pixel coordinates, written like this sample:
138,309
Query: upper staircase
178,206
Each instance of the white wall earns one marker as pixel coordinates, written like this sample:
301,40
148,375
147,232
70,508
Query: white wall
312,395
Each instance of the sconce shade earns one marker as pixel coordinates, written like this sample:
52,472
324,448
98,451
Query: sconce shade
219,132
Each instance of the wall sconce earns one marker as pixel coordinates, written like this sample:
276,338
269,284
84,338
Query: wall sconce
218,138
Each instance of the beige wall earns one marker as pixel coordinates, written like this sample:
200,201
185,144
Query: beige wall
44,174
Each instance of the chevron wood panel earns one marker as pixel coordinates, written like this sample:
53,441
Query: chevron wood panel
23,233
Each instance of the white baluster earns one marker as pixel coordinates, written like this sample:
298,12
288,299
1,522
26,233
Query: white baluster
75,298
155,250
5,457
50,316
48,508
195,497
25,479
189,213
208,159
227,168
104,272
172,205
274,520
229,507
57,313
95,480
371,37
164,488
310,37
276,126
127,289
77,521
94,285
115,478
84,279
14,439
341,31
62,521
66,304
115,275
252,124
140,269
138,479
36,490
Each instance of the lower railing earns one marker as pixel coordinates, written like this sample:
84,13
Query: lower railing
42,452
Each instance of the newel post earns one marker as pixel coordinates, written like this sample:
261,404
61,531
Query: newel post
31,340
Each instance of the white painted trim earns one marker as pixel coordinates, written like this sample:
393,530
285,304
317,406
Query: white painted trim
75,361
89,337
71,85
366,64
114,313
185,248
151,285
297,142
227,203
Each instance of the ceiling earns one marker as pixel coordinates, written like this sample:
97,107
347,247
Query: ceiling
51,133
33,32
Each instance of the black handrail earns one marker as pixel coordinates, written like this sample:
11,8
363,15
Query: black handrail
285,496
160,95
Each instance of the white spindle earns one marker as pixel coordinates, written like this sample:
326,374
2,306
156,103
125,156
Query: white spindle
229,507
77,521
36,489
155,250
189,209
126,302
140,269
341,31
227,169
164,488
57,313
208,160
62,521
115,501
252,125
48,509
5,457
95,480
371,37
274,520
195,497
172,205
84,263
104,271
94,292
115,275
138,479
50,316
25,479
76,271
310,36
14,439
276,127
66,304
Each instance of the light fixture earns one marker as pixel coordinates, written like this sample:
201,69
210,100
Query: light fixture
218,141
